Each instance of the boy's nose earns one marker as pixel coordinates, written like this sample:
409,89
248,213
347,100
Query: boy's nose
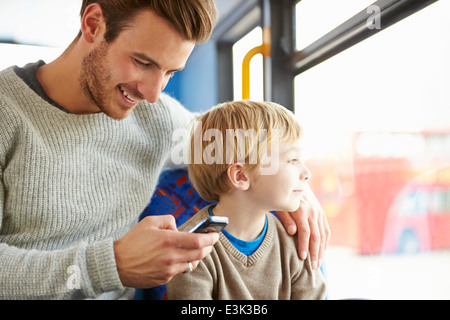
305,174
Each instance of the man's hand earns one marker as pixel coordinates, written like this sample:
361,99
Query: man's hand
313,231
154,251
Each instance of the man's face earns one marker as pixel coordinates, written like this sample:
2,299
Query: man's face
136,66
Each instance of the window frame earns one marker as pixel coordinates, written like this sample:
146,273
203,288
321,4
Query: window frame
286,61
353,31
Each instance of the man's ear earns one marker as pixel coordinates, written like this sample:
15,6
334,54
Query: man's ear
238,177
93,23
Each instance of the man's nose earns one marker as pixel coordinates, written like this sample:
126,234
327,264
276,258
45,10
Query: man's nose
152,86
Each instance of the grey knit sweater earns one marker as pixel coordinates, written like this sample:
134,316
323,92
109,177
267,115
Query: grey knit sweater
69,186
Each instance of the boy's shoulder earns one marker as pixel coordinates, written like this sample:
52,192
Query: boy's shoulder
286,241
279,226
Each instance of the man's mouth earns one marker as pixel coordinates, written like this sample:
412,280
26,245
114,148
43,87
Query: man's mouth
127,96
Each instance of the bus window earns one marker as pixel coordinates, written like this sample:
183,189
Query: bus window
13,54
315,18
26,36
376,126
240,49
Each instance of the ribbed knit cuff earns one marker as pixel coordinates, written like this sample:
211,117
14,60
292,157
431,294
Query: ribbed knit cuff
101,265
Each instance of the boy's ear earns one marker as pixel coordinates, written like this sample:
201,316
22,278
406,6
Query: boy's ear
238,177
93,22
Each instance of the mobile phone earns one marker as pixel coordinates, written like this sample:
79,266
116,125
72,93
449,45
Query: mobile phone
210,224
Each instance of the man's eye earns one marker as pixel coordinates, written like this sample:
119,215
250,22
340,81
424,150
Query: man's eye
140,63
293,161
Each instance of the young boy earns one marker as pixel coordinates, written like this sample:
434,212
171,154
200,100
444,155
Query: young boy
246,156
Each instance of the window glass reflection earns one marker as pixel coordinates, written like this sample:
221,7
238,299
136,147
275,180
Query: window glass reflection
377,132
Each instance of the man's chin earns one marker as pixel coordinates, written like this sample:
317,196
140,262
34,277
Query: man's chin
117,113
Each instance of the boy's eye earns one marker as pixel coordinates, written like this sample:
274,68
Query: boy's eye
293,161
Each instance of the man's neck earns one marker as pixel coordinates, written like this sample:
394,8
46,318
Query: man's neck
60,80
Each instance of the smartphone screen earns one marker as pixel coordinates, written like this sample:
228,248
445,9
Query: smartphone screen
210,224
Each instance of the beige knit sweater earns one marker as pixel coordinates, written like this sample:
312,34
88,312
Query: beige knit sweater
273,272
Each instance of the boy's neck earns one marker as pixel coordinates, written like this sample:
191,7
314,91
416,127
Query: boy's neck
246,221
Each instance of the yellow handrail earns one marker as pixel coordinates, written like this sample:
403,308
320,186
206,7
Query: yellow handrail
265,50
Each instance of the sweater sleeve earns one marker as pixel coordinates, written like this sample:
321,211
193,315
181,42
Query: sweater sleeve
79,272
182,121
308,284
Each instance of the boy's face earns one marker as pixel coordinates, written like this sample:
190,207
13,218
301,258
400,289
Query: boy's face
282,190
136,66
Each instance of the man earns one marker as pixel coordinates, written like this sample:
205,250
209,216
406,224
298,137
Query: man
82,142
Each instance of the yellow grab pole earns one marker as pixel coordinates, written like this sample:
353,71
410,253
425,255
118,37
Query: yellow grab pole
265,50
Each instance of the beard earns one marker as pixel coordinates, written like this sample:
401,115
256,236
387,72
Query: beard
95,75
95,82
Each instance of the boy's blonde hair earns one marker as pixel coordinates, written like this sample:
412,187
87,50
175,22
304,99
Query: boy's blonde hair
226,123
